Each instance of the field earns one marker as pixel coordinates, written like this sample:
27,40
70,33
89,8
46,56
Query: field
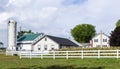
13,62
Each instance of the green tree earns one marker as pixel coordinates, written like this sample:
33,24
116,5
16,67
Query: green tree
115,37
21,33
118,23
83,33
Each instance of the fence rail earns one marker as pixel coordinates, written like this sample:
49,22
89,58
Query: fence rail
72,54
13,52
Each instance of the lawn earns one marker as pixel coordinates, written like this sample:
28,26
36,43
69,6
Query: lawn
13,62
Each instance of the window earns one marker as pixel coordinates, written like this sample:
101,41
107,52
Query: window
39,47
45,39
95,40
45,47
52,47
20,48
104,40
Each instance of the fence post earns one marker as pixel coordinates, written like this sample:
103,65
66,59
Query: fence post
66,54
30,55
20,54
41,54
6,53
12,53
53,54
117,53
98,53
82,54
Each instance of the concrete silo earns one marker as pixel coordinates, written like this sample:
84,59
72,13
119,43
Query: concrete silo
12,28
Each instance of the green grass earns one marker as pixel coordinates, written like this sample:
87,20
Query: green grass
13,62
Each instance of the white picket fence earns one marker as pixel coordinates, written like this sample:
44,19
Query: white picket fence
72,54
12,52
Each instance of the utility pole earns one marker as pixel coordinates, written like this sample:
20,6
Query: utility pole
20,28
101,39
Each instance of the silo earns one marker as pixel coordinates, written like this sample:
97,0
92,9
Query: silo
12,25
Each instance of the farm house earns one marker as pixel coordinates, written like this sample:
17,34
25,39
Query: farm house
100,40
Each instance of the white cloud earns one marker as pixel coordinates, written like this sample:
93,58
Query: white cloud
19,3
3,3
3,19
47,12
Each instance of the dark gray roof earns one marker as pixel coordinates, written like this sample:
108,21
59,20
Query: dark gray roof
62,41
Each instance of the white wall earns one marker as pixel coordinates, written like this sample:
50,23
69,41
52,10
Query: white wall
27,47
42,43
100,42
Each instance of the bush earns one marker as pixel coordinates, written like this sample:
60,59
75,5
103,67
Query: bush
79,48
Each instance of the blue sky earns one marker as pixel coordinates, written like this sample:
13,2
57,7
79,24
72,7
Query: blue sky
57,17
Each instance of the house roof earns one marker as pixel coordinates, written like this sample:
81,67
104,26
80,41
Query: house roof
29,37
102,34
62,41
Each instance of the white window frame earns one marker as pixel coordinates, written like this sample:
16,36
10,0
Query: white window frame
39,47
45,47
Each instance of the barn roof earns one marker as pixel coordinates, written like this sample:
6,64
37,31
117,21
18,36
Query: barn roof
29,37
100,34
62,41
59,40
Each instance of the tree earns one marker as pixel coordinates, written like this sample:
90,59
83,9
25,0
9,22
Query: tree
83,33
118,23
115,37
21,33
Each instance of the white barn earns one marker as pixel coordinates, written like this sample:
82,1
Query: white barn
41,42
100,40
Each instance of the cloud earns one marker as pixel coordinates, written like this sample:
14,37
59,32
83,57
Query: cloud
3,20
3,3
73,2
47,12
19,3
